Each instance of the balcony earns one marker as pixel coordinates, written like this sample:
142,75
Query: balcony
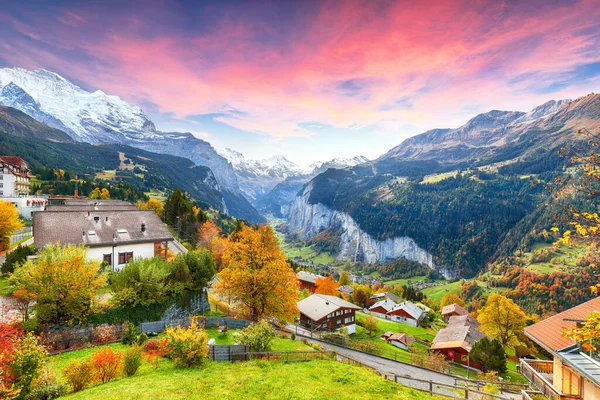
541,374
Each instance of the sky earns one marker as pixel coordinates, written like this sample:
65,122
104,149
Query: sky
312,80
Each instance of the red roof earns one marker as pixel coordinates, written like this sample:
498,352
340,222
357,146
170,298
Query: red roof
14,160
548,333
454,308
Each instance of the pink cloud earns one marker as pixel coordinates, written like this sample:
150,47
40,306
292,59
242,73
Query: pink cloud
444,57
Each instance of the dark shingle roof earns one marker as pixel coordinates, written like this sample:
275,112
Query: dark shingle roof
92,207
97,228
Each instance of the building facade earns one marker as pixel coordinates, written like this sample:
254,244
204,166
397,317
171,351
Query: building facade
572,373
15,177
327,313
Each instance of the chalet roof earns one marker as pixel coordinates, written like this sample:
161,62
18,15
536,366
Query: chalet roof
386,304
388,295
347,290
410,308
98,228
401,338
463,320
454,308
548,333
305,276
91,207
460,333
319,306
14,160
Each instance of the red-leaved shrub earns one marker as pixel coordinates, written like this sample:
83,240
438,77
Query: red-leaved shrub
107,364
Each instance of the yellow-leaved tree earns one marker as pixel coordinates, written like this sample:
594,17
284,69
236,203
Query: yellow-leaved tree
62,282
9,222
502,319
451,298
100,194
152,204
257,275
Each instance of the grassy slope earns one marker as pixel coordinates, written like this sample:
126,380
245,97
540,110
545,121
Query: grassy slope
566,257
248,380
439,291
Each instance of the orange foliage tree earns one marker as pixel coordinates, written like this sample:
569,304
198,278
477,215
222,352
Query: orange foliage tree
257,275
326,285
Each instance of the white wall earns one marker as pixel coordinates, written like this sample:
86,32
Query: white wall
140,250
404,320
351,329
21,203
8,185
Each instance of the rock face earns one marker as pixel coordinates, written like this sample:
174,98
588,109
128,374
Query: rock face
357,245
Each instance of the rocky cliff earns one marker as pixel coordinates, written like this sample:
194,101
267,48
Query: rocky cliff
357,245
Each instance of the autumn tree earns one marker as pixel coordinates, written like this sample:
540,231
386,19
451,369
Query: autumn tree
326,285
62,282
100,194
344,278
258,276
502,319
370,324
152,204
451,298
361,295
207,233
587,333
9,222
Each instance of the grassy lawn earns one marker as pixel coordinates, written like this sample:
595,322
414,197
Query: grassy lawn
243,380
107,174
439,291
402,282
279,344
396,327
563,259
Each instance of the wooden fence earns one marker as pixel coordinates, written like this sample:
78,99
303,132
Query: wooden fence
441,389
239,352
161,326
228,352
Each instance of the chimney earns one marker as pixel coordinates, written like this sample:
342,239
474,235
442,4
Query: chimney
75,193
143,227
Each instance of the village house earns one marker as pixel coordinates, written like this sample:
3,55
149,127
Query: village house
346,290
308,280
400,340
115,237
452,310
407,313
384,295
327,313
572,373
15,177
457,339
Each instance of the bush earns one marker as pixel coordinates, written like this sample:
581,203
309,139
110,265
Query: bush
293,336
28,360
187,347
107,364
142,281
16,257
490,354
132,360
79,374
143,338
258,336
129,334
47,388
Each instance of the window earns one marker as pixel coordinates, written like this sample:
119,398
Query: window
124,258
348,320
107,258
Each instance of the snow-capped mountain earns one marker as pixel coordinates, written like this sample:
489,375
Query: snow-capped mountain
322,166
96,117
258,177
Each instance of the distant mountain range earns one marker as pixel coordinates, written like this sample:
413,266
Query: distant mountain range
100,118
455,199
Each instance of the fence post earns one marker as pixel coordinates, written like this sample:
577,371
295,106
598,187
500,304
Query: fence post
431,388
396,378
467,393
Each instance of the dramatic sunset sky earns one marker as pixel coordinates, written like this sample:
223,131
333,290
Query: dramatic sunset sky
312,79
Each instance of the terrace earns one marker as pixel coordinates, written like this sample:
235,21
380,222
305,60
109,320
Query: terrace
541,374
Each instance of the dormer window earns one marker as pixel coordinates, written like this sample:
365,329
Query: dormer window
96,219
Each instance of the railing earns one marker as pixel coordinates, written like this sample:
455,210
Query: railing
531,395
533,370
442,389
502,385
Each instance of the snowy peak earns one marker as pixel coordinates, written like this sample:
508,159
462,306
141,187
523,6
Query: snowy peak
338,163
276,166
90,117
